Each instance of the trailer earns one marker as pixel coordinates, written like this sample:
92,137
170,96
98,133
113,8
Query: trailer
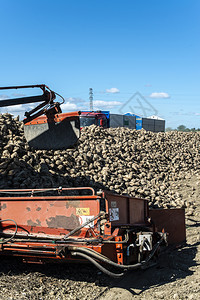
105,119
116,233
88,118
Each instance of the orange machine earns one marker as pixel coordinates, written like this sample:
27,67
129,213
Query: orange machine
113,232
45,126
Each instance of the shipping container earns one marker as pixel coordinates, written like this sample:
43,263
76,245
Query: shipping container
153,125
129,122
148,124
116,120
138,120
159,125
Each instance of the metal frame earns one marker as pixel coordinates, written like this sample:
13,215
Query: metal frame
54,233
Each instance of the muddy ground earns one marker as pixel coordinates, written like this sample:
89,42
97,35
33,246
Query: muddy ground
175,277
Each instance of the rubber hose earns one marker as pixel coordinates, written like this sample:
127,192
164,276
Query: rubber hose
154,250
100,267
83,225
126,239
9,239
104,259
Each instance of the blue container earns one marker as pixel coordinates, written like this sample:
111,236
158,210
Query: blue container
138,120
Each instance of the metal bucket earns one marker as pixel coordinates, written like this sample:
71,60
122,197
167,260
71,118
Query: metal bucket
58,133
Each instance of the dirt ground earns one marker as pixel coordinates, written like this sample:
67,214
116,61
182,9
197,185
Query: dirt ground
175,277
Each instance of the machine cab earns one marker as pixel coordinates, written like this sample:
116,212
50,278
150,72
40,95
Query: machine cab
93,118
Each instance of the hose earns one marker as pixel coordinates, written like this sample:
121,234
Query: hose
126,239
155,249
14,234
83,225
63,99
100,267
35,239
104,259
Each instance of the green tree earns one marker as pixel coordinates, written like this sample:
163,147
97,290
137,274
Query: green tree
181,128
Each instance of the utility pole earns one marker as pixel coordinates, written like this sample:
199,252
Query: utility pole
91,98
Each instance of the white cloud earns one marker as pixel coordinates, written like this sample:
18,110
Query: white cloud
16,108
71,99
112,90
4,97
74,103
18,95
74,99
100,104
68,106
159,95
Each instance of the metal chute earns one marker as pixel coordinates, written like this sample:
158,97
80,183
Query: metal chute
60,133
45,126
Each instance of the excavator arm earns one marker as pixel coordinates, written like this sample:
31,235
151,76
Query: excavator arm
45,126
47,95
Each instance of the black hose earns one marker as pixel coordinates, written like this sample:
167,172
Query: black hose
83,225
63,99
35,239
86,241
154,249
92,240
100,267
104,259
10,238
117,242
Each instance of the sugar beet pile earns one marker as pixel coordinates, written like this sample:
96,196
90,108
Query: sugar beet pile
138,163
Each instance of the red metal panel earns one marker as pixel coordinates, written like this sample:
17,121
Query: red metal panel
57,118
137,210
117,208
38,214
131,210
172,221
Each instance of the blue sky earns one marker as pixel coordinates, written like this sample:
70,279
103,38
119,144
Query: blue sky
116,47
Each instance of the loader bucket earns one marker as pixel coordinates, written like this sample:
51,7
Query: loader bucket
58,133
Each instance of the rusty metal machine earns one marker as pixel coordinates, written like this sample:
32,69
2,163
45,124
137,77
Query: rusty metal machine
45,126
115,233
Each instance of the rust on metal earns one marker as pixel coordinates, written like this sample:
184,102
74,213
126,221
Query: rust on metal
3,206
73,203
51,228
172,221
131,210
63,222
31,223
